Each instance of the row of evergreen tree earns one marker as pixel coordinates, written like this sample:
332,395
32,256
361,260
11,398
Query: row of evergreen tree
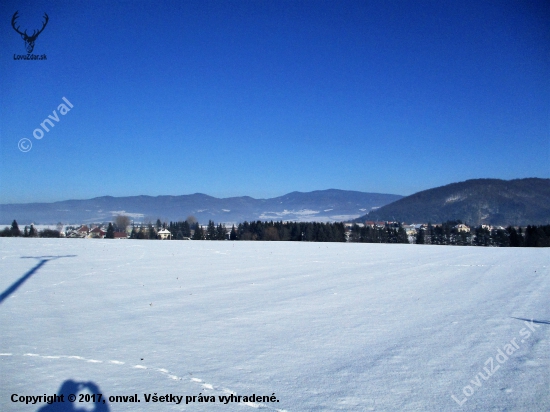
447,234
28,231
258,230
192,230
444,234
289,231
387,234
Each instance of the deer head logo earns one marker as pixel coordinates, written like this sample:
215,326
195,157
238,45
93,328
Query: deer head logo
29,40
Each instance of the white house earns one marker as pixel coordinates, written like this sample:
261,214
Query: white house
164,234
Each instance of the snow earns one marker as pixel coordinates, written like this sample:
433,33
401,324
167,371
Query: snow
305,215
298,215
323,326
124,213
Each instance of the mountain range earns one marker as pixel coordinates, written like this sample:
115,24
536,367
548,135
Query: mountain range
479,201
321,206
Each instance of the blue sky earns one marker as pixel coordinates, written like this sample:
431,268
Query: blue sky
262,98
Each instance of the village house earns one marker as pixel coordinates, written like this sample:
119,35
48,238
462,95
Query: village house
97,233
164,234
462,228
81,232
410,230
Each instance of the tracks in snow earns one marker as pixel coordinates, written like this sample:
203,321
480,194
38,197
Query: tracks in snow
162,371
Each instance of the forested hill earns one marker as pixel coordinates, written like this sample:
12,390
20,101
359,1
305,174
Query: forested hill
330,205
475,202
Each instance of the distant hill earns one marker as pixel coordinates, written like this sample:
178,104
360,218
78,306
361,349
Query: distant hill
321,205
479,201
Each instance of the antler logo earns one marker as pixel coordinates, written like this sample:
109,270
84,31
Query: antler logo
29,40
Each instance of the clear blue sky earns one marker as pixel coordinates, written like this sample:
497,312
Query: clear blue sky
262,98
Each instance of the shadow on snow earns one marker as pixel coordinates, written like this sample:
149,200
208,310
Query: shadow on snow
23,279
544,322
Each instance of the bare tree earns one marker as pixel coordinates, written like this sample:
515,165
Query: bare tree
122,222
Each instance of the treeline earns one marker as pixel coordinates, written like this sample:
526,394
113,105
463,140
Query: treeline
187,229
387,234
289,231
447,234
258,230
28,231
192,230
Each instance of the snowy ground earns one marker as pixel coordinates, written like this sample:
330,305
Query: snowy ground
349,327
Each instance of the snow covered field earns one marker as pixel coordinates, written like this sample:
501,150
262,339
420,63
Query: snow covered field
323,327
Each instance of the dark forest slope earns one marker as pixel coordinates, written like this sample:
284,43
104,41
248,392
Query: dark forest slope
487,201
